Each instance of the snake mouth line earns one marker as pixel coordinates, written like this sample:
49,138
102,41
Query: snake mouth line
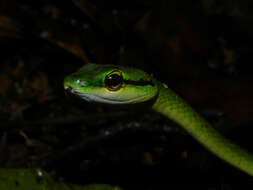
96,98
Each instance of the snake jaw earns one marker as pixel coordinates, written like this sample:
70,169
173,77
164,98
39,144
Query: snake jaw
70,89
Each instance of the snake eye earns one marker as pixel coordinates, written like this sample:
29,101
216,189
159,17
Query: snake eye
113,81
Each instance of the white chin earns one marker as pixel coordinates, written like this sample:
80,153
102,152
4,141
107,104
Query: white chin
94,98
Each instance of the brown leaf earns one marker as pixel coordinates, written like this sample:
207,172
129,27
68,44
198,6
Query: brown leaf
10,28
5,83
38,86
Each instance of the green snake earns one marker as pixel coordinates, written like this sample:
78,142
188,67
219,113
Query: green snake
110,84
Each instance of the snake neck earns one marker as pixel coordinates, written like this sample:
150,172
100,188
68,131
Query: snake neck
169,104
175,108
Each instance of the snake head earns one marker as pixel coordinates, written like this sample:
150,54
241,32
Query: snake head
111,84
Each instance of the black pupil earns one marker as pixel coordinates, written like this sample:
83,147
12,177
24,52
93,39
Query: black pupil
113,80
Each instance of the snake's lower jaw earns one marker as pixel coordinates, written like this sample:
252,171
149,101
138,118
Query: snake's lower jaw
70,89
66,87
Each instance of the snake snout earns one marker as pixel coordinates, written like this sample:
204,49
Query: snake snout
69,89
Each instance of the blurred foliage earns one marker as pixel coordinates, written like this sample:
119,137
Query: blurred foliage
23,179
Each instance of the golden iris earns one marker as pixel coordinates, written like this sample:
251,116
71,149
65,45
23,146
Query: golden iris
113,80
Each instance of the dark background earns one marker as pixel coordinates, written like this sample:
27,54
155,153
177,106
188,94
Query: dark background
201,49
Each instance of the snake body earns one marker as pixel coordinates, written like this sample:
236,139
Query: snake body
111,84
